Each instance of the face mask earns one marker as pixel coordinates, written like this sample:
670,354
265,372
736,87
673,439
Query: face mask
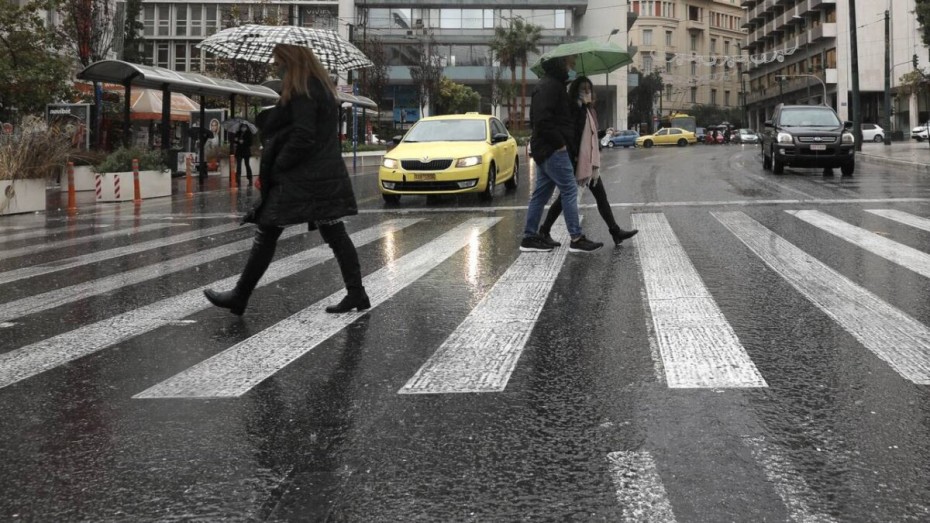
572,75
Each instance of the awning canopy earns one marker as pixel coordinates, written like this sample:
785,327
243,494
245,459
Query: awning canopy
146,104
118,71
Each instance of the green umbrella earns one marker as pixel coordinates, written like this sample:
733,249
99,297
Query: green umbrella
593,57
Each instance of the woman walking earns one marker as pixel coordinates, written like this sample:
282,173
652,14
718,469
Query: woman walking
588,161
303,179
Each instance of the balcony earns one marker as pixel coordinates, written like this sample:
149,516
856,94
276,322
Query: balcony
694,25
823,31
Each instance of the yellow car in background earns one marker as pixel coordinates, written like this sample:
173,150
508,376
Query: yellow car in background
667,136
451,154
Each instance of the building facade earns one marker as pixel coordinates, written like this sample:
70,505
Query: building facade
696,46
800,53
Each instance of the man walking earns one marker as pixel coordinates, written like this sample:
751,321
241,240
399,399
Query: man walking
553,136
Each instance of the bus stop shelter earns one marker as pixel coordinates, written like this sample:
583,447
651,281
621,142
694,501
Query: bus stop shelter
167,81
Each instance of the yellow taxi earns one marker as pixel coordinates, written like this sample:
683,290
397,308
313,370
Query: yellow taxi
451,154
667,136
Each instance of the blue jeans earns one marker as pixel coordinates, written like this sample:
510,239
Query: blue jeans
556,171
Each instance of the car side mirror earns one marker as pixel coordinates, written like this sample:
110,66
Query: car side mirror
500,137
768,123
847,125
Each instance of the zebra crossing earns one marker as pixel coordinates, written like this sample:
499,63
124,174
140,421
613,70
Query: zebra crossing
696,345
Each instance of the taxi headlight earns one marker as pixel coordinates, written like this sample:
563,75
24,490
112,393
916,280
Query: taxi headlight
389,163
848,138
784,138
469,161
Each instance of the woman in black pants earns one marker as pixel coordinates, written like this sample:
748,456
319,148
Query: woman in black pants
303,179
581,91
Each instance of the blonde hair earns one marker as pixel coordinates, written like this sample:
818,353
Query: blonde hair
300,64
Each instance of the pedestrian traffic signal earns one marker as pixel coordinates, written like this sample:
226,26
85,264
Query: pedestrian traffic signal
914,60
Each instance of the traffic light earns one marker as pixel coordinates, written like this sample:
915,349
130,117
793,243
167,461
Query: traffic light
914,60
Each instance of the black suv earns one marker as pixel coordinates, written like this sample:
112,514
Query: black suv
808,136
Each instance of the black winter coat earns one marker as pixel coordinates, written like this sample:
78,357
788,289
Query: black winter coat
303,176
551,116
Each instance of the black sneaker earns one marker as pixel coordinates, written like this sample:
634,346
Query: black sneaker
535,244
619,235
583,244
546,237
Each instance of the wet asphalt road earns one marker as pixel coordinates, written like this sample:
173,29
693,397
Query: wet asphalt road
595,420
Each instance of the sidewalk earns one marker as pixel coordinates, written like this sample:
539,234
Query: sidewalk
911,155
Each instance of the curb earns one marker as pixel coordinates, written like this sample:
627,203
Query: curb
893,162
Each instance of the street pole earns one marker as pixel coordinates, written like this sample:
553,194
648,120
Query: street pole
854,71
887,120
610,110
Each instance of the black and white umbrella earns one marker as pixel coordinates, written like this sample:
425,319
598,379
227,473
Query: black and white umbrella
255,43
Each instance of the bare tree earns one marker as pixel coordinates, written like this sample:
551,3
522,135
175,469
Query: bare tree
88,26
374,78
427,74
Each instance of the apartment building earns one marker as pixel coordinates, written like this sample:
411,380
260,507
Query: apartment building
801,53
695,45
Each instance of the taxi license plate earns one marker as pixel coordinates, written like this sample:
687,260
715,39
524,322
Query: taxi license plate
820,147
424,177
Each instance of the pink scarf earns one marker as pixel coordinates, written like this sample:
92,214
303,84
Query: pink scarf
589,154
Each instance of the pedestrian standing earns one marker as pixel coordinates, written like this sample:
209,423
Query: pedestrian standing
553,135
243,141
303,179
587,162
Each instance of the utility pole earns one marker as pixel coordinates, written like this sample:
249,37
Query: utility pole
854,71
887,120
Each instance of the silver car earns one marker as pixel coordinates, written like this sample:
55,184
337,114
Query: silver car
746,136
919,133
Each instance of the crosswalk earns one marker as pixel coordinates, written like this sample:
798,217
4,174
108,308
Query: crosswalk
696,345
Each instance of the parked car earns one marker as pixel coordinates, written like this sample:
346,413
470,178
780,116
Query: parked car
920,133
745,136
807,136
451,154
625,138
872,133
667,136
700,133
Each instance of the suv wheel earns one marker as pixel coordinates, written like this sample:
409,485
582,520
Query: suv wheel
848,168
878,138
766,162
682,142
778,167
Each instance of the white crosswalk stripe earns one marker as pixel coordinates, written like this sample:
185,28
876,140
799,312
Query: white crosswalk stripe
43,232
902,217
35,249
639,488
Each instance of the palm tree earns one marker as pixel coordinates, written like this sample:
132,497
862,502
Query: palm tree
528,37
504,46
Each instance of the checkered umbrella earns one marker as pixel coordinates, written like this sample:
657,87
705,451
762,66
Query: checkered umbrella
255,43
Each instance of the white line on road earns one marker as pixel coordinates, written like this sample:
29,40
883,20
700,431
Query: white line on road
898,339
58,297
236,370
39,357
43,231
907,257
698,346
640,490
34,249
480,355
903,217
77,261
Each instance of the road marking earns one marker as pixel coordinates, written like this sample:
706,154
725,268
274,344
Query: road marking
241,367
790,485
640,490
58,297
898,339
39,357
699,348
34,249
905,256
43,231
76,261
903,217
480,355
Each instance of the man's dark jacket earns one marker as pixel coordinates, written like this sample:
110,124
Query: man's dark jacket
243,144
303,176
551,114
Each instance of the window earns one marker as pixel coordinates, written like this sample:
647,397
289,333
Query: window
668,63
148,21
180,57
713,45
694,42
196,19
161,55
668,92
694,95
693,69
210,19
647,64
647,36
180,20
726,98
713,97
163,21
668,39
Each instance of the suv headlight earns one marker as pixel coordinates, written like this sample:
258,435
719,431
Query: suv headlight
389,163
848,138
784,138
468,161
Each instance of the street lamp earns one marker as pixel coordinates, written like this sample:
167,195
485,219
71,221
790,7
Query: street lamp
784,76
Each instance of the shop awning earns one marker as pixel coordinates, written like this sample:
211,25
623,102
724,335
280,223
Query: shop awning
146,104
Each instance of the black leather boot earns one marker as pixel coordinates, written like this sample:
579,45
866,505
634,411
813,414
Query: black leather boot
263,247
619,235
347,257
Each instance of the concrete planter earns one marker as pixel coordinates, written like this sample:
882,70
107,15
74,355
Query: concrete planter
20,196
118,187
83,178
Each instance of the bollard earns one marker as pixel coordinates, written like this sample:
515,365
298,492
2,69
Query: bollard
233,183
137,196
72,195
190,179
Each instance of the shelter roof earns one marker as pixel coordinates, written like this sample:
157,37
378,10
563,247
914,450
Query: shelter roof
118,71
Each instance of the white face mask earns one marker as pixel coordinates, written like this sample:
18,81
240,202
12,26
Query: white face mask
572,75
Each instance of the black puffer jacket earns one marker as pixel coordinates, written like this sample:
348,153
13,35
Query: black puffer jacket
551,115
303,176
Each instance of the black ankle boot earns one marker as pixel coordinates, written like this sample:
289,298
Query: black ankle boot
227,300
353,300
619,235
